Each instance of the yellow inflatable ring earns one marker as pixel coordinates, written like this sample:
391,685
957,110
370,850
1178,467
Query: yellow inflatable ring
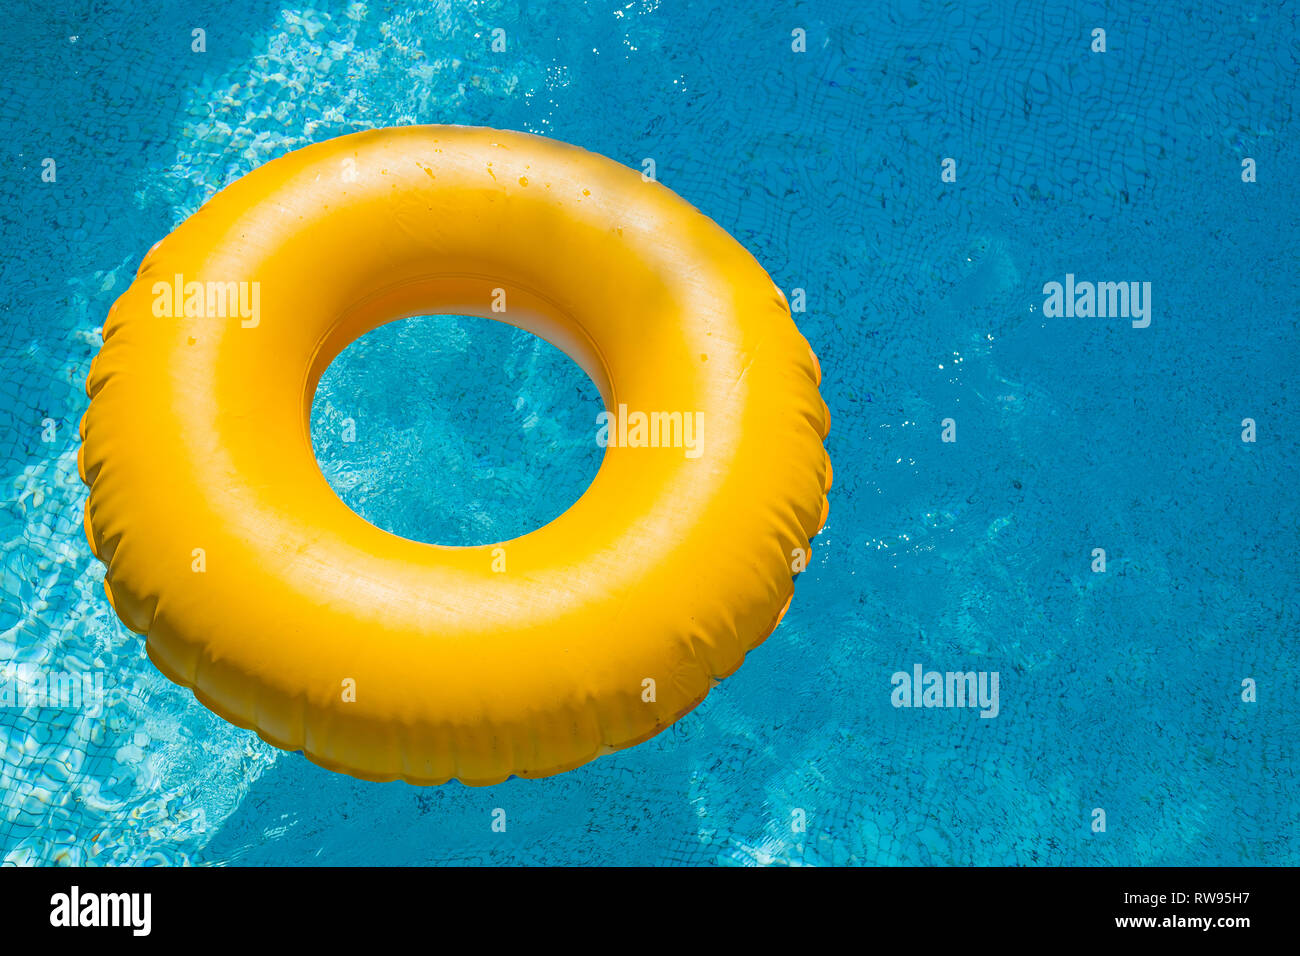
387,658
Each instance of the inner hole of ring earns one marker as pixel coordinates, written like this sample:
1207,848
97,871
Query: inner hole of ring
456,430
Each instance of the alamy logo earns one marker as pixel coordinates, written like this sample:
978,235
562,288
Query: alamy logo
923,688
25,686
1102,300
75,908
625,429
208,300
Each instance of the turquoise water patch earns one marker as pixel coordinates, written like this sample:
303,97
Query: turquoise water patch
456,430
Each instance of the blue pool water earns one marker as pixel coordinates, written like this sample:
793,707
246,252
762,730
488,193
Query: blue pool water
1120,691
